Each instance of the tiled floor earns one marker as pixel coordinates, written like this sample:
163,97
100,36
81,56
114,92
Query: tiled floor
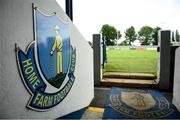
93,113
101,94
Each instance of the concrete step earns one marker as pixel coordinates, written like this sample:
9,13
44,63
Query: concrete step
138,83
129,75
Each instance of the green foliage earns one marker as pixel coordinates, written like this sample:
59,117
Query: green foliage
145,35
130,35
177,36
119,35
109,33
124,43
155,35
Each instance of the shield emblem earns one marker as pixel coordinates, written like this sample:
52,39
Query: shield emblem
138,101
53,47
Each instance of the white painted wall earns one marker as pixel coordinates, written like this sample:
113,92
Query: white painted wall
16,26
176,90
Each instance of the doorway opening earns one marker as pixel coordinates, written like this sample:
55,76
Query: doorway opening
131,64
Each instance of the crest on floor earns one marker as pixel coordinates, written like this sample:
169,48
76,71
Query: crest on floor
145,103
138,101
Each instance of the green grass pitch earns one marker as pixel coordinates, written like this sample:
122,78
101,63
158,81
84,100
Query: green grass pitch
133,61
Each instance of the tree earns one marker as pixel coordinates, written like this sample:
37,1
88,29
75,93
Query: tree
119,35
145,35
177,36
172,37
155,35
130,35
124,43
110,34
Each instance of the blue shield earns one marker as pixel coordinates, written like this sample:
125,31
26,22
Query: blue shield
53,47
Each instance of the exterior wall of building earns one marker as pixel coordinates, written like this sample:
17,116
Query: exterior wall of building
16,26
176,95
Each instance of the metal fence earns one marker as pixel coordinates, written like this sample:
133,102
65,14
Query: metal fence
148,47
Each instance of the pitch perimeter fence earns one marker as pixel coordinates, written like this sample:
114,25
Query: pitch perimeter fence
148,47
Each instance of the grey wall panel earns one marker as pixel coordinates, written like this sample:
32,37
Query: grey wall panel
165,56
16,26
176,90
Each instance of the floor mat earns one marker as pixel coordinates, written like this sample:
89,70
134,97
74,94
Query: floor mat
127,103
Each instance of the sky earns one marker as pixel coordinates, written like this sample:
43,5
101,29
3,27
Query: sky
90,15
